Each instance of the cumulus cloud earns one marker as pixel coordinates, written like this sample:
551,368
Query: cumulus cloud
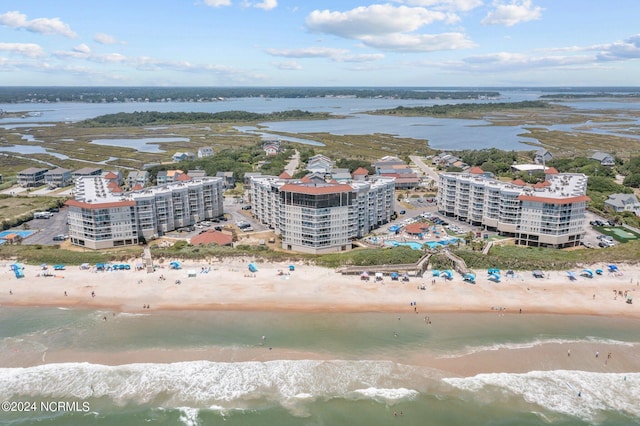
103,38
620,50
287,65
419,42
266,4
452,5
309,52
389,27
512,13
375,19
30,50
217,3
49,26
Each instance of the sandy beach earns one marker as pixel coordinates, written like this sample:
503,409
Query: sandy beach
230,286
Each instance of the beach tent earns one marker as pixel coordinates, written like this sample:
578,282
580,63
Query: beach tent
448,274
292,267
571,275
100,267
470,278
378,276
599,271
587,273
613,268
537,274
174,265
364,276
253,267
18,270
58,267
394,276
494,277
493,271
85,266
435,273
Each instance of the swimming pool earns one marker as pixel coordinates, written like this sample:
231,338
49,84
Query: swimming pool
418,246
22,233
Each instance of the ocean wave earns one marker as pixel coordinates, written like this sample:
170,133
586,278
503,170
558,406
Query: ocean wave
203,384
585,395
470,350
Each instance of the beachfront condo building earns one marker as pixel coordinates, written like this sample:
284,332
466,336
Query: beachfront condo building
321,217
101,217
547,214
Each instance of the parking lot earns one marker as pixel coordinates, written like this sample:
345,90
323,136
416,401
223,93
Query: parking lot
48,228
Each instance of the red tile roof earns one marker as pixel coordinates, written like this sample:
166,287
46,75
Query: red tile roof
306,179
316,189
360,171
116,189
551,171
284,175
416,228
212,237
137,187
476,170
183,178
519,182
111,175
542,184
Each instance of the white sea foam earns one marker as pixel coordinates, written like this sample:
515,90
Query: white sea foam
203,384
469,350
387,395
577,393
189,416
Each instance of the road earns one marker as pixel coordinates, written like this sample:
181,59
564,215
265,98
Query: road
426,169
293,163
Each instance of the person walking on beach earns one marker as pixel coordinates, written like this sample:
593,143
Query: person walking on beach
569,352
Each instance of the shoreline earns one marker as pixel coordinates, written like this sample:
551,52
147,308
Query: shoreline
231,287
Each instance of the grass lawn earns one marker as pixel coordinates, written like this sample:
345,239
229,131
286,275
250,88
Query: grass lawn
12,207
618,233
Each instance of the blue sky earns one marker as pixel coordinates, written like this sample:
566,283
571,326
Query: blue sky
320,42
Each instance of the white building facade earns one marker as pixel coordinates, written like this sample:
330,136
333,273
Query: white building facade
321,217
99,219
549,214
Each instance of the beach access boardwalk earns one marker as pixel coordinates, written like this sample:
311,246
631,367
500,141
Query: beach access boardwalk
415,269
459,265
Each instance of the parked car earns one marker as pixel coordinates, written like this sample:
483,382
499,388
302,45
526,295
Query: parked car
246,207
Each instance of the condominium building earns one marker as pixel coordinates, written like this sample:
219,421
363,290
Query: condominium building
547,214
320,217
58,178
99,218
31,177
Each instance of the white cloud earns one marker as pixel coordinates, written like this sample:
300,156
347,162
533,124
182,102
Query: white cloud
512,13
419,42
103,38
620,50
30,50
82,48
452,5
366,57
310,52
288,65
266,4
375,19
217,3
15,19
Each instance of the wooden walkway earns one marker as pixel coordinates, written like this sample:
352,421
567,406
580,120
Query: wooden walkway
415,269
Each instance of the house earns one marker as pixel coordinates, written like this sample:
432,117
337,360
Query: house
168,176
137,178
360,174
271,147
31,177
228,180
86,171
542,156
58,178
114,176
246,179
320,163
341,175
182,156
205,151
197,173
623,203
604,158
388,161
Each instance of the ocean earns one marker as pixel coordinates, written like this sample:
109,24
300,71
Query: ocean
73,367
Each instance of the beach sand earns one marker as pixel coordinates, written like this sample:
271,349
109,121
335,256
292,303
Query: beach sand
231,286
